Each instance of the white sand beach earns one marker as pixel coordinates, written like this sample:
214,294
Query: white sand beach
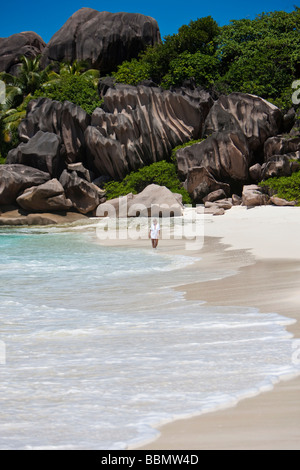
262,245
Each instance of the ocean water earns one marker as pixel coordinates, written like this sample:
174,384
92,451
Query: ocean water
99,348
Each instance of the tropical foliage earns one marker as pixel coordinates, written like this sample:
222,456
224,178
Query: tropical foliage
72,82
161,173
157,61
77,89
260,56
285,187
30,77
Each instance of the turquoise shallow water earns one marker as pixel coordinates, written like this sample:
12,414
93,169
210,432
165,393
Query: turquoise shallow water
100,348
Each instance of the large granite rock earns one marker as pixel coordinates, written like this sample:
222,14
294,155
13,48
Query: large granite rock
200,183
15,215
153,201
85,196
41,151
141,125
81,171
278,201
282,156
281,145
218,207
14,179
156,201
255,172
102,39
223,157
215,196
47,197
66,120
278,165
12,48
107,156
30,219
253,195
255,117
236,129
224,154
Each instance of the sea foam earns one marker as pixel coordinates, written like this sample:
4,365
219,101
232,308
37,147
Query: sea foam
100,348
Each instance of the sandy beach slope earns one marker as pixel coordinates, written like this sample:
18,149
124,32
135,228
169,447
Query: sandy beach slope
263,246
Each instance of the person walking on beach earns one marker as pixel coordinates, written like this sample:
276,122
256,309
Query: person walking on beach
154,233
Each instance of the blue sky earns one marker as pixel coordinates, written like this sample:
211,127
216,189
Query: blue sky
46,18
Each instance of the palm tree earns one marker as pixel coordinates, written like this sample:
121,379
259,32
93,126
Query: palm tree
79,68
10,120
19,89
29,79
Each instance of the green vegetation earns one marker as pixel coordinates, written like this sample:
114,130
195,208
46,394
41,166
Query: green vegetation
18,88
162,62
161,173
11,119
73,82
201,67
76,89
30,78
9,123
260,56
286,187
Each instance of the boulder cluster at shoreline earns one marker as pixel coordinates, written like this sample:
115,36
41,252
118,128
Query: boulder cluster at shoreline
66,155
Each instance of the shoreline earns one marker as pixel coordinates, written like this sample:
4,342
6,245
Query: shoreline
267,278
256,254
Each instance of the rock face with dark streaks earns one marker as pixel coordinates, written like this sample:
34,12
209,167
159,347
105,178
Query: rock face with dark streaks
255,117
66,120
65,154
236,129
136,127
13,47
41,152
102,39
222,158
282,145
141,125
200,182
225,154
85,196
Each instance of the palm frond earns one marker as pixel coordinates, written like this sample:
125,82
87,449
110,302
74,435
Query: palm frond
9,79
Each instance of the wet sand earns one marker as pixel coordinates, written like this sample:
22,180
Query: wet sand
262,246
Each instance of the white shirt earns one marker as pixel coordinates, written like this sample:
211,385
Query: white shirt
154,230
